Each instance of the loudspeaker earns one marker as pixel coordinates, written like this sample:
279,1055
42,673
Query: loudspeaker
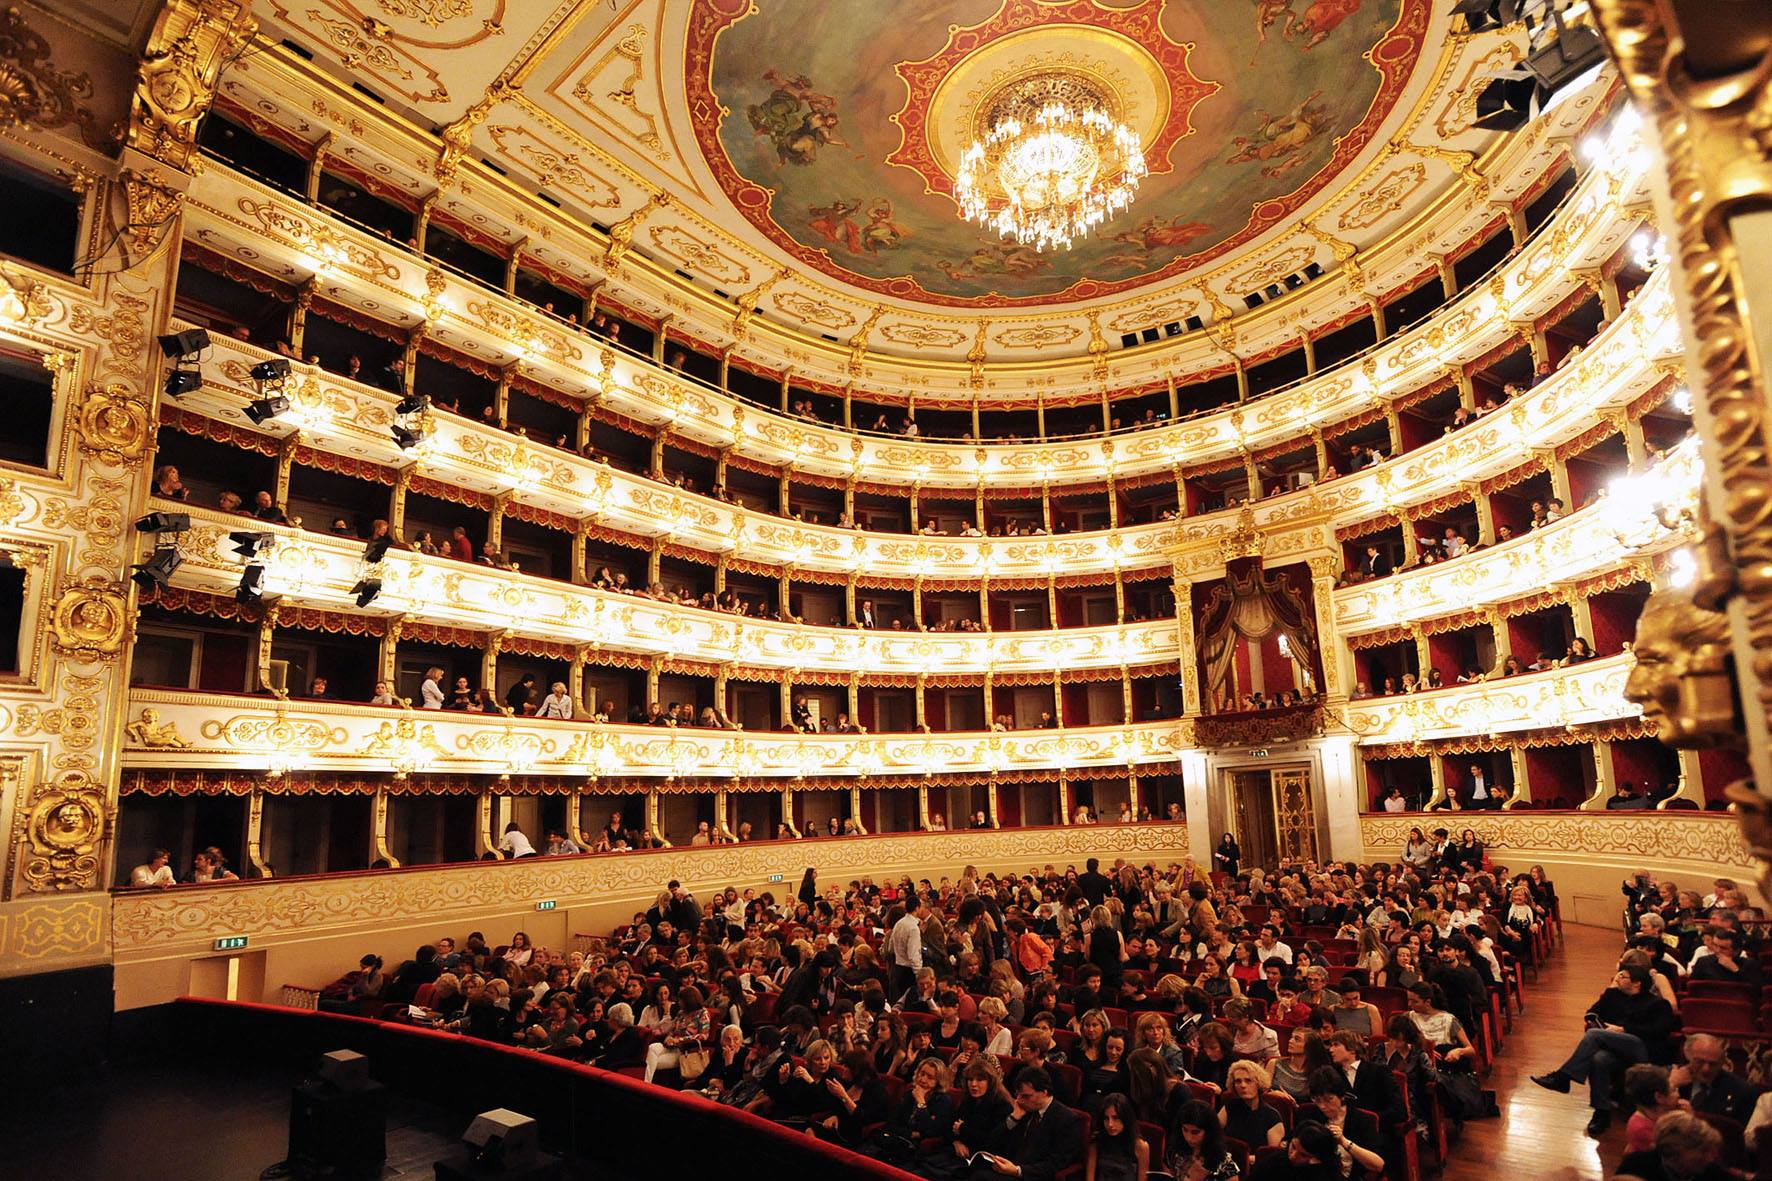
503,1145
338,1130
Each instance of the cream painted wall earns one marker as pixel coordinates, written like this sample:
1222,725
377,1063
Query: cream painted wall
312,930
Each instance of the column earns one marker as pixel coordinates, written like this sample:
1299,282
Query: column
653,828
1321,447
784,390
1394,424
1691,780
990,702
849,499
984,602
379,850
1174,398
1196,797
1605,779
1046,507
1186,658
581,538
317,168
1582,614
922,721
1113,498
855,698
855,808
1378,319
1344,795
501,397
917,603
1437,771
512,262
785,691
1252,477
285,464
1516,224
1310,351
990,800
916,509
484,822
849,602
1058,697
1242,396
977,430
1500,633
722,829
784,595
409,358
1119,599
255,834
387,661
1467,389
1636,444
1040,412
397,502
1125,695
1132,789
654,556
575,681
726,373
923,807
422,230
1107,413
495,643
1051,599
781,495
495,521
1522,793
849,407
658,340
1448,276
1181,492
1338,670
653,668
298,317
1423,657
1485,512
267,636
787,811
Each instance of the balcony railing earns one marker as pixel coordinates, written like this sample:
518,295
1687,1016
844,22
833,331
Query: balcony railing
227,206
1581,694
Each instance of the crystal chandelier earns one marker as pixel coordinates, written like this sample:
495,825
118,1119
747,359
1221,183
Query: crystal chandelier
1050,163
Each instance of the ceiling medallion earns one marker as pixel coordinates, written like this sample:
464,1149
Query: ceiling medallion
1051,162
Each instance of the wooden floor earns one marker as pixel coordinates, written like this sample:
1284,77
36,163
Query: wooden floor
1540,1134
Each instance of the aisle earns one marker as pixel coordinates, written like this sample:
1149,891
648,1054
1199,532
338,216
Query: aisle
1540,1133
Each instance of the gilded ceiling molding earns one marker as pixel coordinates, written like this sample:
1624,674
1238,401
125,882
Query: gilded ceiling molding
35,95
192,42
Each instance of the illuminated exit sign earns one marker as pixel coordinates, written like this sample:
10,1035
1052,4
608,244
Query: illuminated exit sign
230,943
545,904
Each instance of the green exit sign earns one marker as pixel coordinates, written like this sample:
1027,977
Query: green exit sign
775,877
545,904
230,943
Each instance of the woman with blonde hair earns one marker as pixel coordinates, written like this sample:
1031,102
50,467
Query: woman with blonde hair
992,1017
1107,947
1244,1115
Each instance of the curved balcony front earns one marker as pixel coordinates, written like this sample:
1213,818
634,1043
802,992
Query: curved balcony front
392,284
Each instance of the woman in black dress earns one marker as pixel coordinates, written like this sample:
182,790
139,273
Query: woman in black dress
1107,947
1227,856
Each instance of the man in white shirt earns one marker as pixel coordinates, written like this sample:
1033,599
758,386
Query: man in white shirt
157,873
1480,797
905,947
559,844
1269,947
557,704
431,691
515,844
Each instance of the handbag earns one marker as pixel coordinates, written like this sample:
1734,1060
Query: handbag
691,1064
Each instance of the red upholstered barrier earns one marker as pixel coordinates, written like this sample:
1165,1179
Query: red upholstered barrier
596,1114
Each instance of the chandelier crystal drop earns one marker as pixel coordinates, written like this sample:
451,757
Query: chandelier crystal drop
1051,163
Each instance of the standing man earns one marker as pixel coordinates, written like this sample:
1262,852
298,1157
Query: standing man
905,947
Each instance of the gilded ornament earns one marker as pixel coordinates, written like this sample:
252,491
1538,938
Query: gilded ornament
25,301
189,46
12,505
113,423
36,95
1681,677
90,620
65,827
621,234
150,732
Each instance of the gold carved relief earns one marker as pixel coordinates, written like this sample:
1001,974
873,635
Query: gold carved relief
192,41
65,827
149,731
91,619
34,94
113,423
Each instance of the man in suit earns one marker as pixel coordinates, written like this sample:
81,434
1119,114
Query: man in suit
1707,1082
1044,1137
1374,564
1093,883
865,617
1373,1085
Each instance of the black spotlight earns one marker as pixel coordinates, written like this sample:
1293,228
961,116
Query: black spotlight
1486,14
407,437
264,408
184,346
413,404
157,570
1507,103
366,590
274,370
377,549
182,381
252,580
163,523
250,545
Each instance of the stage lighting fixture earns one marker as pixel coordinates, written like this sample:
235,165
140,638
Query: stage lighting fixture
274,370
1487,14
407,437
366,590
182,346
252,581
157,570
1561,58
1508,102
163,523
250,545
182,381
264,408
413,404
377,549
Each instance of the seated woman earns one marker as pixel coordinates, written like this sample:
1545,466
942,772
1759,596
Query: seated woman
926,1112
1357,1133
1212,1054
809,1097
689,1030
1305,1055
979,1121
1242,1113
858,1097
1117,1152
1196,1146
627,1045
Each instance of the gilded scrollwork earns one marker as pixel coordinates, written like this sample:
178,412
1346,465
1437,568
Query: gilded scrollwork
114,422
37,95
